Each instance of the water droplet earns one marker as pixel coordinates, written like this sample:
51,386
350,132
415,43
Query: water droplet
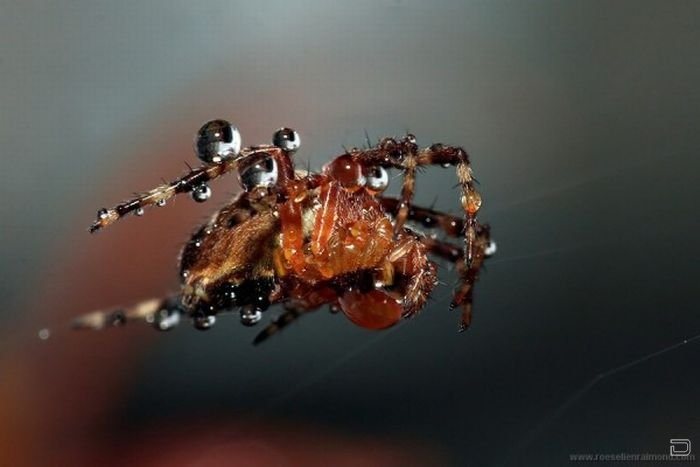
197,243
102,214
410,138
263,174
203,322
217,140
166,319
139,212
377,178
287,139
160,203
44,334
446,165
250,317
201,193
490,249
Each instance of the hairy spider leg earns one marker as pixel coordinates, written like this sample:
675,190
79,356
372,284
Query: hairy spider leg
409,259
406,156
187,183
463,295
439,154
429,218
454,227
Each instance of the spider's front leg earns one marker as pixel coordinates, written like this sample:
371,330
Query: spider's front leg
218,146
195,180
439,154
405,155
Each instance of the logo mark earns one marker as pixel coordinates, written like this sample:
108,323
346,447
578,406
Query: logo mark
680,447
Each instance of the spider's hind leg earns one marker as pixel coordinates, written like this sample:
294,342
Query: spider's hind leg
162,314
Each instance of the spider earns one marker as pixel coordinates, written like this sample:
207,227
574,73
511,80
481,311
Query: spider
308,239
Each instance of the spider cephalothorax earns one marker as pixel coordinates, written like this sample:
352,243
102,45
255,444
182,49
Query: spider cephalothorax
308,239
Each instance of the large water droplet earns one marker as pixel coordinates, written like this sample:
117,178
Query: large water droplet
201,193
217,140
287,139
262,174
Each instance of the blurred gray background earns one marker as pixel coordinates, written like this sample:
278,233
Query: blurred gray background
582,121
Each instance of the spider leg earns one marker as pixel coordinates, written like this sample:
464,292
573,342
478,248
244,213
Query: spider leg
417,275
163,314
463,295
406,156
291,313
429,218
187,183
439,154
452,226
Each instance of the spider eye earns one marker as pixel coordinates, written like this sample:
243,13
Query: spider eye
377,178
287,139
261,174
217,140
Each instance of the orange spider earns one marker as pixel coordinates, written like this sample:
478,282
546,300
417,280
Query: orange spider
308,239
